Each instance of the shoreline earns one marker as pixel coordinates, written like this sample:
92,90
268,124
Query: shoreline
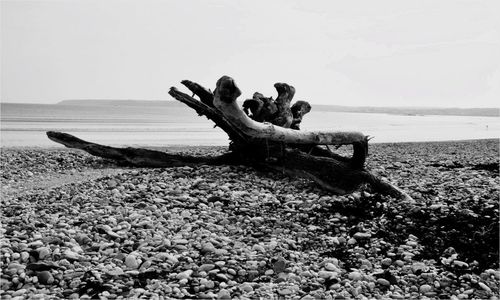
77,226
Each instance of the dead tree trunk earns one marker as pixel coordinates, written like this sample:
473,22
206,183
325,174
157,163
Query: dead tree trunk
265,134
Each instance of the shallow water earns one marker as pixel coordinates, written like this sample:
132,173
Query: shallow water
160,125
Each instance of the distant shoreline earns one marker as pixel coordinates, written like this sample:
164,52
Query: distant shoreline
405,111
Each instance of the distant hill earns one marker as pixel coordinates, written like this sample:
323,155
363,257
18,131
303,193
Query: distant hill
413,111
143,103
452,111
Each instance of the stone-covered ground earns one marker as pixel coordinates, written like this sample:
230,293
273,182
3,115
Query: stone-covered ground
75,226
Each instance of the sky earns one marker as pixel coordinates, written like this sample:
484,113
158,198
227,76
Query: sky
359,53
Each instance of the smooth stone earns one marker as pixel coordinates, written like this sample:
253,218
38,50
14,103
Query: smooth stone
285,292
5,284
45,277
362,235
484,287
418,266
259,248
131,261
331,267
19,292
16,255
386,262
351,241
425,288
180,241
460,264
35,244
355,276
210,284
327,274
184,275
220,263
269,272
117,271
246,287
280,265
383,282
25,256
222,277
206,267
43,252
71,255
399,263
112,183
224,294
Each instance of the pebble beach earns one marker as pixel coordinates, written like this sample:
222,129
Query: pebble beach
74,226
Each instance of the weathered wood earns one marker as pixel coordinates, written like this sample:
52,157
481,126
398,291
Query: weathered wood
225,96
260,108
137,157
211,113
284,115
258,143
205,95
299,110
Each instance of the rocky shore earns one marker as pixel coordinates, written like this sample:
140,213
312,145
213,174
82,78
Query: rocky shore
75,227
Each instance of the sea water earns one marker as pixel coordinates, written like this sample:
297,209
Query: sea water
175,124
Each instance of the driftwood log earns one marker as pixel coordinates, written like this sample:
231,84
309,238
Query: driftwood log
265,134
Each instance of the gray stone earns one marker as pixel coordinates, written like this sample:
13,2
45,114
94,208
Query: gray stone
246,287
386,262
206,267
45,277
43,252
224,294
362,235
355,276
484,287
383,282
184,275
425,288
327,274
131,261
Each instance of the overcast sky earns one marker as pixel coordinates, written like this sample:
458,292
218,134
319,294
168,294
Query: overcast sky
373,53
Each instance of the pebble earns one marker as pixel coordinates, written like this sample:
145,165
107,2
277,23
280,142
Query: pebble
258,248
386,262
131,262
484,287
246,287
419,267
285,291
206,267
19,292
425,288
224,294
280,265
460,264
331,267
184,275
355,276
193,248
71,255
327,274
43,252
362,235
45,277
24,256
383,282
